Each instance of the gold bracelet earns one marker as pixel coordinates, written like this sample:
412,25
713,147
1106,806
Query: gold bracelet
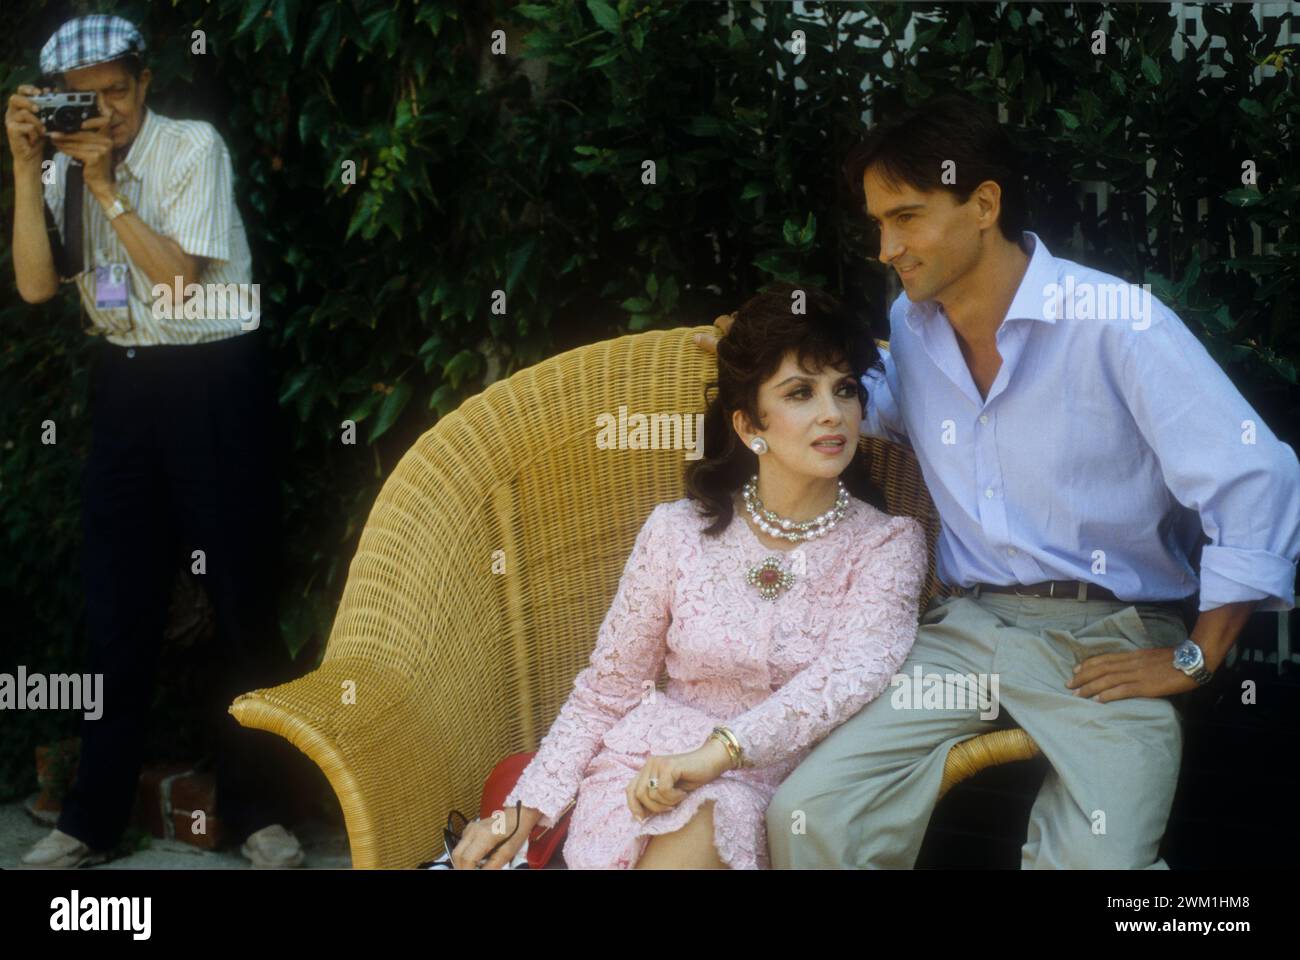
740,751
734,749
731,751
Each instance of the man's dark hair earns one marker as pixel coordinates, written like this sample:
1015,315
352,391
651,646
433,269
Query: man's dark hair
913,148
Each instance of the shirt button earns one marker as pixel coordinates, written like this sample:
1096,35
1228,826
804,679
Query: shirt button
989,493
1011,551
984,418
130,351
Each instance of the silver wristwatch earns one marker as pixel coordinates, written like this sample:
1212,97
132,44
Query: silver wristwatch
120,206
1189,659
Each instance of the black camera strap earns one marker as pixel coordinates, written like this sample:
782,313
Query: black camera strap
74,190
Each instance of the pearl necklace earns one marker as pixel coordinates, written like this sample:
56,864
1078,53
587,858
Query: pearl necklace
795,531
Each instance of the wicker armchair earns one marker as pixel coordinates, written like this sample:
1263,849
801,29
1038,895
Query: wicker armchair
484,571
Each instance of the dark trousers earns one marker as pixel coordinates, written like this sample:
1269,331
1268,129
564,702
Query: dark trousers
186,454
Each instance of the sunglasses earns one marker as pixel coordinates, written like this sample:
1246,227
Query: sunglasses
455,830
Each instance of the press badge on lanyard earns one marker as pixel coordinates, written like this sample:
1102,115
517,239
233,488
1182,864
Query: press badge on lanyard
110,286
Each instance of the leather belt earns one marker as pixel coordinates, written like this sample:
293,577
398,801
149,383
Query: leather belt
1080,590
1059,589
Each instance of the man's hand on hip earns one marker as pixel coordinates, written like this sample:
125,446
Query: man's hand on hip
1139,673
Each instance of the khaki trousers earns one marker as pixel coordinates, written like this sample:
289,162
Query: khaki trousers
863,797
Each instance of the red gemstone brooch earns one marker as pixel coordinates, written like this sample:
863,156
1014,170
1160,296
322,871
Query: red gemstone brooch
769,578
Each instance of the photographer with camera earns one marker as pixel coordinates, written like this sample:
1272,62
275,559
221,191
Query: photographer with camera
184,456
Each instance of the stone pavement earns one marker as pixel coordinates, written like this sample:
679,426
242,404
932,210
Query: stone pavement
325,846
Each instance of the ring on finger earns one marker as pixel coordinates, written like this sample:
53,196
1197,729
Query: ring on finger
654,783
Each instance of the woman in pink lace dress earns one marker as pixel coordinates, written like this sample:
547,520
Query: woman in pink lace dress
775,658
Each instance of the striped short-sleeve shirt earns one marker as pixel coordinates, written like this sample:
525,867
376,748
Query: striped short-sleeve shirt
178,176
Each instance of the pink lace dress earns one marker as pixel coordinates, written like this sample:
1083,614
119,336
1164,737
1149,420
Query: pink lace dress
780,673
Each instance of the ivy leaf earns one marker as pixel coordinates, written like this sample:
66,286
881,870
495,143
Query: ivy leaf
286,17
519,262
460,366
1151,70
995,60
251,13
365,407
391,408
332,44
1070,120
324,21
965,34
606,16
532,11
809,230
296,383
444,396
1190,274
668,299
1253,107
1243,197
365,210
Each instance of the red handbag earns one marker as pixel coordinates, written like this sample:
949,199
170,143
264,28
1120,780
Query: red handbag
543,841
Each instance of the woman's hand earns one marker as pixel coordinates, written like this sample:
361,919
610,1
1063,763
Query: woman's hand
480,837
675,775
707,341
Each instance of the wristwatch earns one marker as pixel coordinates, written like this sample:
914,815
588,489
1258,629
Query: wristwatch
1189,659
120,206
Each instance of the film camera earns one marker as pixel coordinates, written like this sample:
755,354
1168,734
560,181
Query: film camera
65,112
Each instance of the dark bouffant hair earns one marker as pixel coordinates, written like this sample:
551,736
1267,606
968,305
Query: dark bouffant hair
764,331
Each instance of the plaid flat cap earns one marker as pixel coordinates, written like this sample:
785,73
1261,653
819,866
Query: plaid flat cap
86,41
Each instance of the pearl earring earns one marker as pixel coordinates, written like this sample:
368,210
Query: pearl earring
758,445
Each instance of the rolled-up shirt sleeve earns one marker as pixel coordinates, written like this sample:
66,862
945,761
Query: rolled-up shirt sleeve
1219,458
197,204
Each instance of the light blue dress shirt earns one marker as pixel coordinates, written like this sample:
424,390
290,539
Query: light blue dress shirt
1109,440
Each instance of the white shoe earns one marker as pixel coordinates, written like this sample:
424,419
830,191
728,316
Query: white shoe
273,847
61,851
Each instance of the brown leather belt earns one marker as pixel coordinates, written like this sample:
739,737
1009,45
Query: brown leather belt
1079,590
1060,589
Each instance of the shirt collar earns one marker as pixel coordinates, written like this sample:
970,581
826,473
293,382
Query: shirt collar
137,157
1030,301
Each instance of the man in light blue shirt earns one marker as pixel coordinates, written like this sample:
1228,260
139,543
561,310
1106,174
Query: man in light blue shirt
1077,440
1147,439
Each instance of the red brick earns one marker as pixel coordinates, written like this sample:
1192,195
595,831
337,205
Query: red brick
195,791
151,800
183,825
